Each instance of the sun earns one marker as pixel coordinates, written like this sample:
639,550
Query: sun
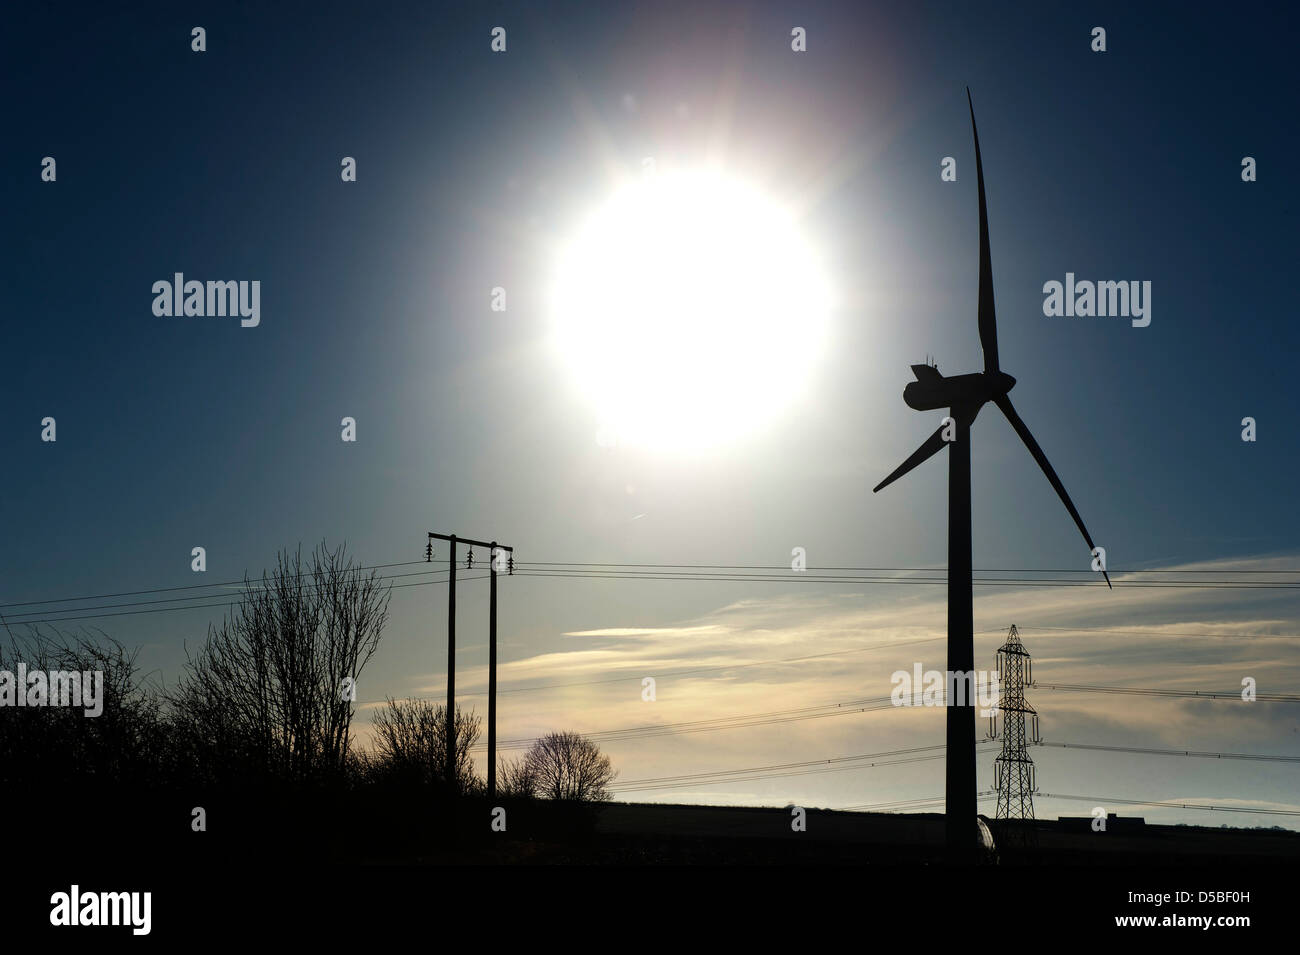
689,310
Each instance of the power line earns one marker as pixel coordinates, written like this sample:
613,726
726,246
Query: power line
250,585
762,772
1172,805
742,569
909,803
1181,694
939,800
981,570
778,766
807,578
761,776
1137,691
1173,752
746,721
740,573
161,590
217,603
779,770
1167,633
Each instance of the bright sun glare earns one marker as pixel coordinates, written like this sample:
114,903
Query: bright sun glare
689,310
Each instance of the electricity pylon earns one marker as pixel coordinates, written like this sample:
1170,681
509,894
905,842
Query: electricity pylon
1013,771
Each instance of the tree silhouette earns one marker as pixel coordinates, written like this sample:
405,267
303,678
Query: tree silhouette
270,694
411,744
568,766
45,747
514,779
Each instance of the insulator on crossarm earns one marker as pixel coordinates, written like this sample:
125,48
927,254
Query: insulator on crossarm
428,552
469,557
510,565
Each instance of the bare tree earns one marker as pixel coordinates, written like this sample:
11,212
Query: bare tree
411,743
514,779
271,691
568,766
45,746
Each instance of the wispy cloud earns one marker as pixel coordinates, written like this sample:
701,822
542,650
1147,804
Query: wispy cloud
641,631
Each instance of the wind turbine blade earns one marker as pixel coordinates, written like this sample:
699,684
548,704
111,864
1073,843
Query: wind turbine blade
988,321
1022,429
933,445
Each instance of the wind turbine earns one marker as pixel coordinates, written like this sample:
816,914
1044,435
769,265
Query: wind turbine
964,396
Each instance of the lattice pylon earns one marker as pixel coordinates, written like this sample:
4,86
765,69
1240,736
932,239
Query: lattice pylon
1013,770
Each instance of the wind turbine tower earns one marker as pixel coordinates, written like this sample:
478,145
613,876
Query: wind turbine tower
964,396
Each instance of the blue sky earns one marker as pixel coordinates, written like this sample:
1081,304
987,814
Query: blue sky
472,169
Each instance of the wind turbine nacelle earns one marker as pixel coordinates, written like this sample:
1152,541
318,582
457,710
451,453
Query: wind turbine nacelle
932,390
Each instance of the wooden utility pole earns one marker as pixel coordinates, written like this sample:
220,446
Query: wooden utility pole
493,550
450,773
492,674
